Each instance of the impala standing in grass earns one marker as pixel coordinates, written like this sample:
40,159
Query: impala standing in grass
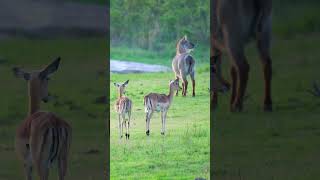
123,107
43,137
159,102
233,24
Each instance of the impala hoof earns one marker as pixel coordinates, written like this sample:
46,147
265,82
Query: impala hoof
148,133
127,136
162,133
267,108
236,108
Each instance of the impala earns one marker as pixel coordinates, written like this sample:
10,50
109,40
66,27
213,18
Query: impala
159,102
42,138
123,107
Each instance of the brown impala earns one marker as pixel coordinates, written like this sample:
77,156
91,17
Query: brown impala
233,24
42,138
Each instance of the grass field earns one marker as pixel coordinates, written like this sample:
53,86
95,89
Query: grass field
183,153
77,84
283,144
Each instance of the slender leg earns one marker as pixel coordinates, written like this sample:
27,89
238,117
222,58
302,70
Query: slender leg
62,168
120,127
193,84
178,88
44,172
148,118
186,87
28,170
263,44
234,84
129,116
243,72
183,87
124,124
162,123
235,49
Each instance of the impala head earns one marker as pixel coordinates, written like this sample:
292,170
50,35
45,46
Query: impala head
174,84
38,80
184,45
121,87
218,82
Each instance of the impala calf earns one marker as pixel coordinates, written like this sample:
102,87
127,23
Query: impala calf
159,102
183,64
233,24
42,138
123,107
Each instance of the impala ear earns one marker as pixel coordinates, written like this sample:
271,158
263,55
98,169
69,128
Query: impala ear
126,83
116,84
51,68
185,37
19,73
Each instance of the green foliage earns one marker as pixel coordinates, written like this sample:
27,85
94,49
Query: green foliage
183,153
295,17
152,24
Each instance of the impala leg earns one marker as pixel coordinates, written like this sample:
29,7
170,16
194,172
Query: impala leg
63,157
148,117
182,88
24,150
263,44
124,124
242,68
28,169
62,167
186,87
129,120
193,84
234,85
120,127
243,73
162,123
177,89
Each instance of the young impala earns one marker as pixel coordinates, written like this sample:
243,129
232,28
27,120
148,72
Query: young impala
159,102
233,24
42,138
123,106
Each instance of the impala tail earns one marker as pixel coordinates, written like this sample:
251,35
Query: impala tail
50,141
147,104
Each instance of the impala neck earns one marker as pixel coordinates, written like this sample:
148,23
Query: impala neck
120,93
180,50
170,95
34,99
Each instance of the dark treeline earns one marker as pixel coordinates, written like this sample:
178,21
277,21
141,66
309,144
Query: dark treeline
152,24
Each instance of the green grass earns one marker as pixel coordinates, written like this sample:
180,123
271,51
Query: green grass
183,153
77,85
278,145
